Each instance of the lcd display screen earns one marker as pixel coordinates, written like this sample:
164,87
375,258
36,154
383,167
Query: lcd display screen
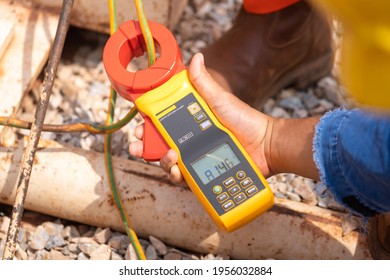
215,163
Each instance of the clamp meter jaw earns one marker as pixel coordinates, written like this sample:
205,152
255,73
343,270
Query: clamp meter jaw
214,164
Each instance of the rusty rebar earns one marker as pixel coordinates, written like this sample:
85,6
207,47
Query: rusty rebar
36,128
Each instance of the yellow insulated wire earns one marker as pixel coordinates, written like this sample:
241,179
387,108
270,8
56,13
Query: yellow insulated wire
150,48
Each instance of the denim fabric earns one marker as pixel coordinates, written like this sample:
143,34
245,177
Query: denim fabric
352,153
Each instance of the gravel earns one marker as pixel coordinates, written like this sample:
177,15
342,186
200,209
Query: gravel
81,94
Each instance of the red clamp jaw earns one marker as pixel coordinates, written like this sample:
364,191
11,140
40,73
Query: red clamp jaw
125,44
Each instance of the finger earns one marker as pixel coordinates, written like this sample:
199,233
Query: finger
175,175
169,160
139,132
208,88
136,148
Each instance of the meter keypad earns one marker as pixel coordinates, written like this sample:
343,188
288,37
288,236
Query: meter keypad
236,197
217,189
194,108
234,190
222,197
228,205
205,125
200,117
228,182
240,174
239,198
252,190
246,182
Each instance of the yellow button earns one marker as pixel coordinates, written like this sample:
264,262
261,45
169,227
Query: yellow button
193,108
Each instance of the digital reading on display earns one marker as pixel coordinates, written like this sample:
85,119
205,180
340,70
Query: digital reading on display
215,163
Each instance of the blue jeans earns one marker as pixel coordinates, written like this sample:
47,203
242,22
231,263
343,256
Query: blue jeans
352,154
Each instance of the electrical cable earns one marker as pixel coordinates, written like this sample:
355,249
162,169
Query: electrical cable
108,156
73,127
150,47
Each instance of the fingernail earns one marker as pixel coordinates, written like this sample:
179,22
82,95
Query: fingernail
201,58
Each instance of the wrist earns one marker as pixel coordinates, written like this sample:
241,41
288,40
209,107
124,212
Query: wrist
289,147
270,147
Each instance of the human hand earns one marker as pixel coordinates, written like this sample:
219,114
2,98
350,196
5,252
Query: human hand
252,128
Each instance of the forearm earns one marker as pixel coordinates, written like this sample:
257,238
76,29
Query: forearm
290,147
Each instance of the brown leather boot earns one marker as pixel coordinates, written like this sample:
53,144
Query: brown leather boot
262,54
379,237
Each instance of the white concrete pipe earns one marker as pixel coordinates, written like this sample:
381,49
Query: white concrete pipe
70,183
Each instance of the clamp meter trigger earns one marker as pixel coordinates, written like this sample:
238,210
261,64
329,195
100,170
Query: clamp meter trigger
214,164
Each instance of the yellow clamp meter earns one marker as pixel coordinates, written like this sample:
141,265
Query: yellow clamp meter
214,164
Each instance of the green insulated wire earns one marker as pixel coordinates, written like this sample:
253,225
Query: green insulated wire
73,127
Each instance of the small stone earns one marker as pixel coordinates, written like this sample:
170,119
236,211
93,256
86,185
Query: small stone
4,224
88,248
73,248
209,257
304,190
83,229
119,242
82,257
56,255
102,235
39,239
292,103
222,257
288,92
30,254
268,106
53,228
281,187
326,104
323,202
300,113
24,246
103,252
310,100
151,253
204,9
55,241
22,236
89,233
278,112
293,196
21,254
173,256
158,245
350,223
42,255
144,243
331,89
189,257
69,232
321,190
55,100
334,205
130,253
280,195
115,256
65,251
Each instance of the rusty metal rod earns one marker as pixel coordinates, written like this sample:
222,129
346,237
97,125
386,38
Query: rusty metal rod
36,128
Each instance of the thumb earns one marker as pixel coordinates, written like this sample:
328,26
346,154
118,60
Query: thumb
214,95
